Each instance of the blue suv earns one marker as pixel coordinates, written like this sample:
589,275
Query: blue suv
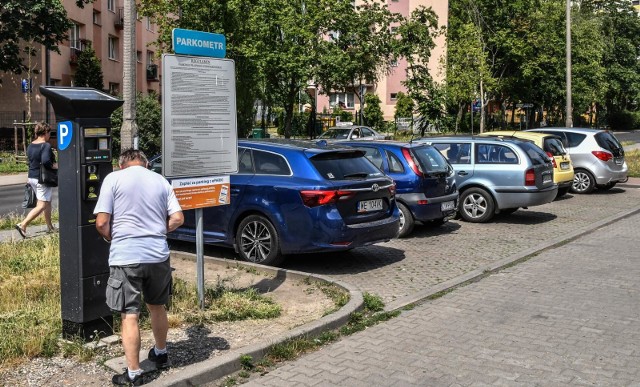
290,197
425,181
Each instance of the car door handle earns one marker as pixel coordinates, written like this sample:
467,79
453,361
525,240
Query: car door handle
463,173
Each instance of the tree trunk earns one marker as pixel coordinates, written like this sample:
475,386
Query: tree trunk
129,131
482,110
459,116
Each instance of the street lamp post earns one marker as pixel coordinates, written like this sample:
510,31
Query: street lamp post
569,113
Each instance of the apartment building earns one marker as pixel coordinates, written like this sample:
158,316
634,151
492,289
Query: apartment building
388,87
99,24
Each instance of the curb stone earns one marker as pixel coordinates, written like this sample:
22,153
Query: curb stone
221,366
483,271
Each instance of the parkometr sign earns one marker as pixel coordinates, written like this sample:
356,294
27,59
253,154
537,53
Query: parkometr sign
190,42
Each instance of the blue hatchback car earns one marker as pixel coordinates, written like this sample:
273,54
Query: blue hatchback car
425,181
290,197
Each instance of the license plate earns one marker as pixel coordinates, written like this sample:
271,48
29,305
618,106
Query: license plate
564,166
546,179
447,206
619,160
370,205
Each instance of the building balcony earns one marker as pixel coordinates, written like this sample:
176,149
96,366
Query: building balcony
119,23
77,46
152,72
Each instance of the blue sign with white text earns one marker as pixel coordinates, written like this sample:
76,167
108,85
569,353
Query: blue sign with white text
65,134
189,42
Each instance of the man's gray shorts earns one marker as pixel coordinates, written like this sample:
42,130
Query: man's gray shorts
128,283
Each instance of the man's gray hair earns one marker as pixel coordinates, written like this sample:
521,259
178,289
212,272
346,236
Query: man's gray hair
131,155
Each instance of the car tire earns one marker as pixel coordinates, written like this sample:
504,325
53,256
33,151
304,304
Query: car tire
476,205
563,191
258,241
583,182
606,187
406,221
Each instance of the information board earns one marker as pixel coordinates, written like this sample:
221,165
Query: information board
198,116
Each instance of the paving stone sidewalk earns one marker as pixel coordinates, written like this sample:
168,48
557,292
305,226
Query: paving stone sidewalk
568,316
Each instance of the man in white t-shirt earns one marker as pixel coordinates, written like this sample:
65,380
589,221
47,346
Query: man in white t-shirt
136,209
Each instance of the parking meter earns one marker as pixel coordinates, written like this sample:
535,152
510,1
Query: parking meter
84,160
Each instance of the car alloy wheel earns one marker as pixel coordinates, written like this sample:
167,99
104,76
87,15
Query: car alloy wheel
477,205
406,221
583,182
257,241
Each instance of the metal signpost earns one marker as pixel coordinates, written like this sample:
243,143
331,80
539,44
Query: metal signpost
199,128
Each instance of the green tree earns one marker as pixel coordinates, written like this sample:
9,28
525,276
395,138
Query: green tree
360,46
89,71
372,112
417,39
230,18
404,106
25,24
149,119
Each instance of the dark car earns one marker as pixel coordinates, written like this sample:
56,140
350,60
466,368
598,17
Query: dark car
425,182
290,197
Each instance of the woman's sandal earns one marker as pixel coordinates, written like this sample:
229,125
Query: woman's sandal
23,233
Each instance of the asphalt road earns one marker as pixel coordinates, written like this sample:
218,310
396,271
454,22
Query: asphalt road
11,199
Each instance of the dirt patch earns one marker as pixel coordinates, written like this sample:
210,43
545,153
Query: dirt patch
301,303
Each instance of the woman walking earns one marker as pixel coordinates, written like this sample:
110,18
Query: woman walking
39,152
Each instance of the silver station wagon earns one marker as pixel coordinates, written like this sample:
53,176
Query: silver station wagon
496,175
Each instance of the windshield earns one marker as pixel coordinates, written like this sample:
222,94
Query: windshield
610,143
336,134
554,146
344,165
537,155
430,159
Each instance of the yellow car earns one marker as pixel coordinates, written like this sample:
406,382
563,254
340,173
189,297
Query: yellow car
552,145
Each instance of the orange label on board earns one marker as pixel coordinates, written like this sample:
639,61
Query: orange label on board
202,192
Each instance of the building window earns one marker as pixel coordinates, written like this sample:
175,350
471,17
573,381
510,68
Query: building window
113,48
635,2
96,17
139,56
149,24
342,100
150,57
394,96
111,5
74,37
114,88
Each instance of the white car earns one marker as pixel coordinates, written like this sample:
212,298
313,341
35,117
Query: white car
352,132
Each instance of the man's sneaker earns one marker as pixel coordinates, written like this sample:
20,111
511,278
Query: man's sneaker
123,379
160,360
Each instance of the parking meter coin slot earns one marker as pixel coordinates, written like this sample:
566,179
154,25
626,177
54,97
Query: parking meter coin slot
91,181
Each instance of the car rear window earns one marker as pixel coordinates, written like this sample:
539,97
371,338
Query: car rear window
430,159
554,146
536,155
343,165
608,141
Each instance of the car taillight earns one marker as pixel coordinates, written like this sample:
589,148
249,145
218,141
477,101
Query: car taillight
412,163
530,177
320,198
601,155
553,159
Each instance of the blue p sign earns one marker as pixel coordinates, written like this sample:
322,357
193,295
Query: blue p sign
65,134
